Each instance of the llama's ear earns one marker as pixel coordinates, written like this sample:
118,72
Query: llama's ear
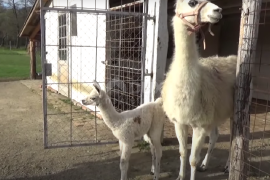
97,86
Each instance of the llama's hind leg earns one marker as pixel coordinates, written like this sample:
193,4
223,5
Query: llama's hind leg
212,141
227,166
198,138
158,155
153,153
182,135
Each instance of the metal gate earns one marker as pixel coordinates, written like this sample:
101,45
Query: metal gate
82,41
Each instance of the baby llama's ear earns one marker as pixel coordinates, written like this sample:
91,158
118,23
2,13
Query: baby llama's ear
97,86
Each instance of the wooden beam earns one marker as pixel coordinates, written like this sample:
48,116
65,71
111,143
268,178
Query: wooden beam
249,28
33,71
36,30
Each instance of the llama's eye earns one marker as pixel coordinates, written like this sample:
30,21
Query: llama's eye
93,99
192,3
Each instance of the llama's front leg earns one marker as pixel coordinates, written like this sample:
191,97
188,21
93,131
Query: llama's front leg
124,160
212,141
197,142
182,135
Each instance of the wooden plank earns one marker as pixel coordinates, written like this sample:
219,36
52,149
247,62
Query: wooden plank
36,30
160,47
33,71
246,55
156,49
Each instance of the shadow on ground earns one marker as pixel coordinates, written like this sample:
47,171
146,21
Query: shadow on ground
109,169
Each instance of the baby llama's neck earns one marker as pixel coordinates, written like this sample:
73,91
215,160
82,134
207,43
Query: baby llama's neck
110,116
186,50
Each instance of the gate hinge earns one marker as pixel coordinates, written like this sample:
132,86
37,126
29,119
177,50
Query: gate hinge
148,74
48,69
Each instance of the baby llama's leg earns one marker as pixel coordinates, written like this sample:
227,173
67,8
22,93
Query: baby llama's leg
197,143
212,141
158,154
120,146
124,161
153,153
182,135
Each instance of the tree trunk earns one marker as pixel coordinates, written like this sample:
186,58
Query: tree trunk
17,23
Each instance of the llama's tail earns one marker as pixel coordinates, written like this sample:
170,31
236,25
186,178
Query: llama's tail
159,101
146,138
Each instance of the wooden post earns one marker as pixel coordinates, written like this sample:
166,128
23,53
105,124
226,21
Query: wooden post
249,27
33,71
156,49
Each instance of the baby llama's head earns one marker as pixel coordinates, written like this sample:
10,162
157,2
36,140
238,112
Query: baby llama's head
95,95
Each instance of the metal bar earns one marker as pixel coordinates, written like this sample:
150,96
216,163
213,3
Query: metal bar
44,78
126,5
94,11
96,74
69,29
81,145
144,39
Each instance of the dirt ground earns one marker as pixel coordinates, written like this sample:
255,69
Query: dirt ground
23,157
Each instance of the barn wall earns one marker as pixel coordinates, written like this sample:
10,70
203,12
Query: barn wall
51,34
86,51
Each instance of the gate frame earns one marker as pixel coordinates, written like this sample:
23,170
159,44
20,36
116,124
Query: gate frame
154,53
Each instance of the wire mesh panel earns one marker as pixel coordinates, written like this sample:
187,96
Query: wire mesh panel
77,38
259,141
251,147
123,63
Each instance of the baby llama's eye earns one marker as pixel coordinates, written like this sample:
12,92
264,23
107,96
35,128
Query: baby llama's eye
192,3
93,99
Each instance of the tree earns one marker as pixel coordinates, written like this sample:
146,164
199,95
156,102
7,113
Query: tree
13,14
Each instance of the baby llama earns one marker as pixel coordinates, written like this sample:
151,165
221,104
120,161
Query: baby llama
146,121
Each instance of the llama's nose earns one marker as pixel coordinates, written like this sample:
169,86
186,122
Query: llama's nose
83,102
219,10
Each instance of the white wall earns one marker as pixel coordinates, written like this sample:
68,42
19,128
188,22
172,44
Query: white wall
87,49
51,38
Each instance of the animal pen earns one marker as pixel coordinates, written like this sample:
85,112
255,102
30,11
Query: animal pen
119,45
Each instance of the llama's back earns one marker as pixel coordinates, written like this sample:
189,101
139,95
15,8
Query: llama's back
218,80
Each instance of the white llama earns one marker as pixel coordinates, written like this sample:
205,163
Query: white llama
197,92
146,121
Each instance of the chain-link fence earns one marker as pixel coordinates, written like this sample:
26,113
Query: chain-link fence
250,157
82,42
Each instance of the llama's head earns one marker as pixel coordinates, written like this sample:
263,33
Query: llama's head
95,95
198,11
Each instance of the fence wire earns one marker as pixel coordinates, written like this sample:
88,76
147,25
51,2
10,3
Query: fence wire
83,44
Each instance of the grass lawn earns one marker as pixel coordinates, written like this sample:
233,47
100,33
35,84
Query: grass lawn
15,64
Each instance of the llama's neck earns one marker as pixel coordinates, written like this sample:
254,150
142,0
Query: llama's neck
110,116
186,50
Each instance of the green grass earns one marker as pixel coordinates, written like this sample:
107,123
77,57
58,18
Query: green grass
15,64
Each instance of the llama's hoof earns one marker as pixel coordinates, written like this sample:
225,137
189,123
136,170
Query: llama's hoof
226,170
202,168
151,173
180,178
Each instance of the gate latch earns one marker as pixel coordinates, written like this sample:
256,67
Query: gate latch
48,69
